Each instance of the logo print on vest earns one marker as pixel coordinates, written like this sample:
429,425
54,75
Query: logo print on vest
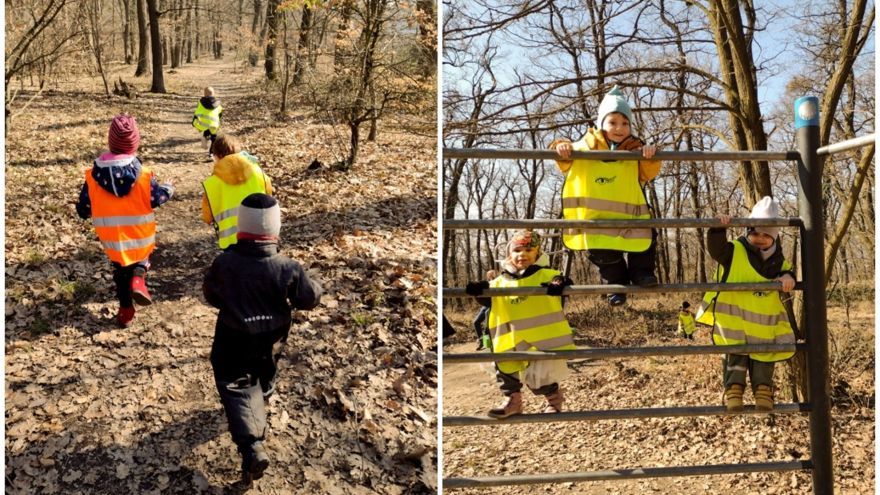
760,294
605,180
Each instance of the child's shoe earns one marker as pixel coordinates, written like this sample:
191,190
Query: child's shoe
617,299
554,402
124,317
733,398
647,281
254,461
511,405
139,291
763,398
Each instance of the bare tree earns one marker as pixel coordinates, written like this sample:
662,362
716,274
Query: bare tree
158,84
143,39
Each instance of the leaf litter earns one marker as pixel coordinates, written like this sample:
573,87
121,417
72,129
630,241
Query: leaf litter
94,409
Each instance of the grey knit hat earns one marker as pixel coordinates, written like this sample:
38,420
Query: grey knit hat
613,102
259,214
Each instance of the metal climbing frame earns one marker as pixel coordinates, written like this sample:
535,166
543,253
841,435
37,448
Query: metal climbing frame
809,166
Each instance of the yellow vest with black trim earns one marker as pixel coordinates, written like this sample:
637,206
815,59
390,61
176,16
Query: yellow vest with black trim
686,324
747,317
224,200
204,119
600,190
523,323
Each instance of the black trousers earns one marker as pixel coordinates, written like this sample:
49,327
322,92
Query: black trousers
210,137
510,384
122,276
245,368
617,269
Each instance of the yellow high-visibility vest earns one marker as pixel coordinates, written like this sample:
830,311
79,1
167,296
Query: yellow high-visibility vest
598,190
747,317
204,119
523,323
224,200
686,324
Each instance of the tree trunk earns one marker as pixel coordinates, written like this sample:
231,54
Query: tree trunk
126,31
158,85
93,8
271,30
427,39
305,27
143,38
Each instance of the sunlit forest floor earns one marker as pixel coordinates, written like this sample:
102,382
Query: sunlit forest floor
94,409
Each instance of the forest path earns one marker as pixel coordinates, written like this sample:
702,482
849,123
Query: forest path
96,409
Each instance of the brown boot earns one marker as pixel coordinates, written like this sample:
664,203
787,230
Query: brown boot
763,398
511,405
554,402
733,397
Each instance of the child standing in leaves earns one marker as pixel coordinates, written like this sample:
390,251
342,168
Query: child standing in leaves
206,118
759,317
522,323
236,174
255,288
606,190
686,324
119,194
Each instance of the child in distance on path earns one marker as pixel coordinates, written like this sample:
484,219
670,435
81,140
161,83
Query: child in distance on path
596,189
522,323
758,317
119,194
256,289
236,174
206,118
686,324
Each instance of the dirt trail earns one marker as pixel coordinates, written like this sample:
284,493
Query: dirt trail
94,409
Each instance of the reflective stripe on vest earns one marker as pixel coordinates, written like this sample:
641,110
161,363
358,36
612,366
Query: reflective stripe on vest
522,323
747,317
126,226
224,200
207,119
686,324
597,190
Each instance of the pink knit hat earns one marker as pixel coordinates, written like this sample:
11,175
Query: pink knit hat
124,136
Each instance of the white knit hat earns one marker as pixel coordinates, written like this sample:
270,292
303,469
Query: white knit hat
766,208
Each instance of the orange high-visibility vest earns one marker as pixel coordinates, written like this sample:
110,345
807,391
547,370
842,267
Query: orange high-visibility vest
126,226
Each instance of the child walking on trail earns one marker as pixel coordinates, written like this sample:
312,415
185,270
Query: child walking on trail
119,195
255,289
686,324
522,323
206,118
758,317
236,175
597,189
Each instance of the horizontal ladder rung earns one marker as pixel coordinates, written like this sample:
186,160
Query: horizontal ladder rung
655,412
620,474
558,223
618,352
579,290
690,156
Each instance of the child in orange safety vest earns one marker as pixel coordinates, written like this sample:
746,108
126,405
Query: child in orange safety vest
119,195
